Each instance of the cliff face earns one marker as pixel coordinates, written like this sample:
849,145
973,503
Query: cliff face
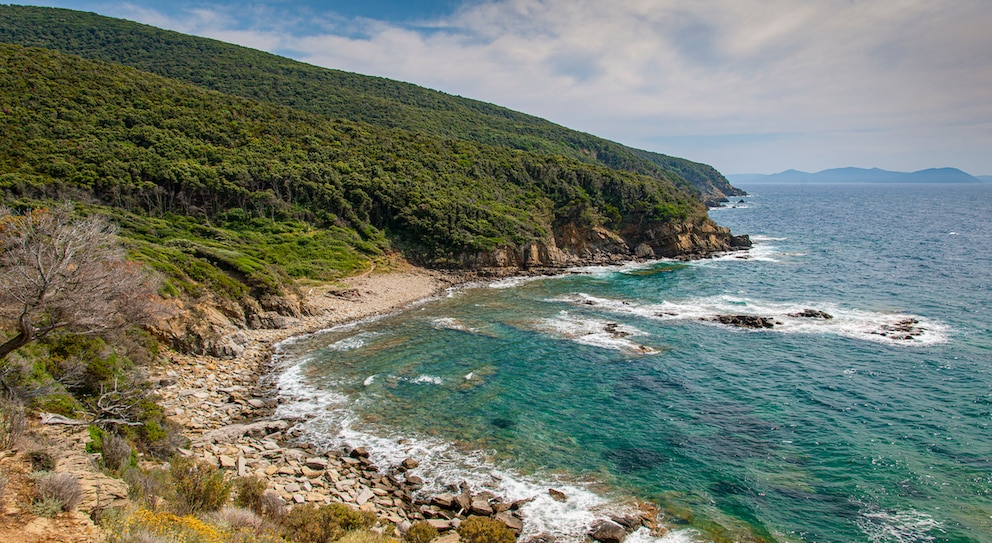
574,245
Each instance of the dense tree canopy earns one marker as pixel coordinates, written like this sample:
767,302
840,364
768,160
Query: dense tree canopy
381,102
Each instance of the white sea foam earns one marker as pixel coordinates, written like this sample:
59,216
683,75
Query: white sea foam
369,380
886,328
426,380
898,526
594,332
329,422
451,323
761,238
513,282
348,343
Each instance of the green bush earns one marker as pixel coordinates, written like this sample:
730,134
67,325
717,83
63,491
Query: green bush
149,488
323,524
249,492
420,532
199,487
485,530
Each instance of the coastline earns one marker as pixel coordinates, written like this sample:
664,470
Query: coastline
227,409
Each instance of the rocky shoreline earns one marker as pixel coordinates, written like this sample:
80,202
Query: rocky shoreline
227,405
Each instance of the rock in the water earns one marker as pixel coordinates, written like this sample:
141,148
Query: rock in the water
607,531
558,495
745,321
359,452
410,463
812,314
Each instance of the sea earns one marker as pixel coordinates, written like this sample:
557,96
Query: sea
862,414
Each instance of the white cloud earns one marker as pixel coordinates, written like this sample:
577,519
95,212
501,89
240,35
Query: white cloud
844,76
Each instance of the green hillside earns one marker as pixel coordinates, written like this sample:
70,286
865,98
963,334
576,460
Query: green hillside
236,194
261,76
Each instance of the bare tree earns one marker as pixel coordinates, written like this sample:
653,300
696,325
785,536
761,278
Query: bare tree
61,272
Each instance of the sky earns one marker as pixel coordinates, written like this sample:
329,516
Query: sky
748,86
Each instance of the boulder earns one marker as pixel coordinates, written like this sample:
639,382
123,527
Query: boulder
410,463
558,495
511,521
316,463
480,506
812,314
607,531
745,321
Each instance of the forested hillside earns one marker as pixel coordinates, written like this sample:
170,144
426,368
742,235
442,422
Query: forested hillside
261,76
152,148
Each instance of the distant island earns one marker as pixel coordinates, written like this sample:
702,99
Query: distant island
861,175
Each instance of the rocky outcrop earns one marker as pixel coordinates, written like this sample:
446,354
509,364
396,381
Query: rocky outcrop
573,245
687,240
746,321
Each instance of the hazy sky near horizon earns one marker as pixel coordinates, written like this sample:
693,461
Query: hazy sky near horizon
744,85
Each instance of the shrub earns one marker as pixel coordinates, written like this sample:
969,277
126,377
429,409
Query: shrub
115,451
272,505
149,488
13,423
58,492
366,536
41,461
200,487
144,526
248,493
420,532
485,530
311,524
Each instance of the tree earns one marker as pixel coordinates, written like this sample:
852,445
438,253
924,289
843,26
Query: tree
62,272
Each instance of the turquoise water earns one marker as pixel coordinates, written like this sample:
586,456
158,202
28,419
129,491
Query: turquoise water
616,383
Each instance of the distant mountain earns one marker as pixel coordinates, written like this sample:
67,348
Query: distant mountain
984,178
860,175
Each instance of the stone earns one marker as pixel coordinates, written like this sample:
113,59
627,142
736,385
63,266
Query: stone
463,502
414,480
607,531
364,496
299,499
359,452
630,522
439,524
745,321
445,501
450,537
480,506
227,462
558,495
311,473
812,314
511,521
292,488
242,467
316,463
410,463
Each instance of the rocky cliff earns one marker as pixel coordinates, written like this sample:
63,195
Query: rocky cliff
574,245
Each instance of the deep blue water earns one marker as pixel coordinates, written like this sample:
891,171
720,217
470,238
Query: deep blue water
616,383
